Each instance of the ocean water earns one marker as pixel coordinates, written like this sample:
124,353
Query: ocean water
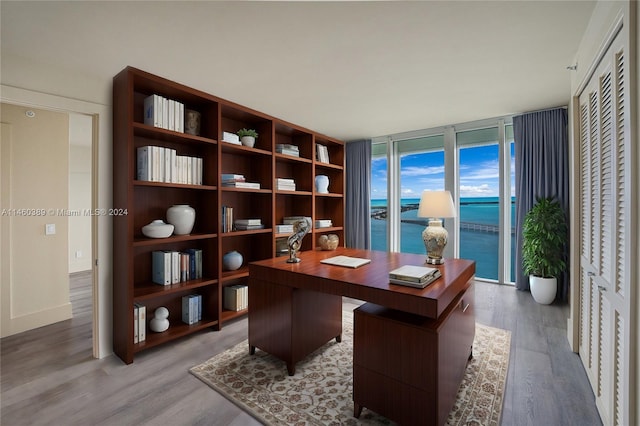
476,243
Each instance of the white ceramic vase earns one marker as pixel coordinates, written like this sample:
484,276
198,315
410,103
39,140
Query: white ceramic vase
543,290
157,229
322,184
232,261
182,217
160,320
249,141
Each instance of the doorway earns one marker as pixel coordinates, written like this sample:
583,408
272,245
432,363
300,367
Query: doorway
99,255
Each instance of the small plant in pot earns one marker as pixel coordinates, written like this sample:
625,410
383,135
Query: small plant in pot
248,137
544,235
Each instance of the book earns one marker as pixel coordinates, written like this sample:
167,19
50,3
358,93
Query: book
161,267
135,323
249,185
248,222
282,229
413,273
421,284
231,138
280,146
346,261
189,309
248,227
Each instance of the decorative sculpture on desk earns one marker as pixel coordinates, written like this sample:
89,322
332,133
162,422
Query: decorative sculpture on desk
300,229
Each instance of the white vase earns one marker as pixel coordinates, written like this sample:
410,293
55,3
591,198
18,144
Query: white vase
232,261
157,229
182,217
543,290
249,141
322,184
160,320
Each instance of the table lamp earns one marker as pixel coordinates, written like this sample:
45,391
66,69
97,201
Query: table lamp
435,205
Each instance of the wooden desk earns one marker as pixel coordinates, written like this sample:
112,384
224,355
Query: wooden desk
294,308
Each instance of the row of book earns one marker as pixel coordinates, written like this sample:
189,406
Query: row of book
160,164
139,323
172,267
283,148
322,153
232,180
236,297
164,113
247,224
191,308
285,184
414,275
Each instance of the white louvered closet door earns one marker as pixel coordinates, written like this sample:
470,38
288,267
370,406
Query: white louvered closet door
605,186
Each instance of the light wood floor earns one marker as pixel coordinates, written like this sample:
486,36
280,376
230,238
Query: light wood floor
48,376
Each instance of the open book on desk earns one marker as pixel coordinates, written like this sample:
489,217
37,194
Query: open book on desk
347,261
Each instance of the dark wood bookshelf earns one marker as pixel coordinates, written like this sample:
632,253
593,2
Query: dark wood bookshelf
146,201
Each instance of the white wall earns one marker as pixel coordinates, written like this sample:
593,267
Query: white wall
79,201
35,158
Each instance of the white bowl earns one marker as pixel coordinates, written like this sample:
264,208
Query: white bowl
157,229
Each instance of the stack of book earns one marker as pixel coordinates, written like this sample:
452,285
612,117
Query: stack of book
291,220
236,297
227,219
231,138
231,180
414,275
164,113
247,224
322,153
160,164
285,184
324,223
191,308
283,148
284,229
173,267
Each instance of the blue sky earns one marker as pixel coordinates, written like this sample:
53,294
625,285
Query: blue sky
425,171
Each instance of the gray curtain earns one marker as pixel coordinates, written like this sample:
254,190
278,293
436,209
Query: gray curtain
357,195
542,170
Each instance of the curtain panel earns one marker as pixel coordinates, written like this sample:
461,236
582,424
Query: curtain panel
358,194
542,170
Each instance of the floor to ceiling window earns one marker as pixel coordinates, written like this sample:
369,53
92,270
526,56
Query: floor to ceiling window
483,182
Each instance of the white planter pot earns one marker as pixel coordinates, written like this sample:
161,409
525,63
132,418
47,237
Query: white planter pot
543,290
249,141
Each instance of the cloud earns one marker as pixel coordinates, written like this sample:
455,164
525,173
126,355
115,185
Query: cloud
483,190
421,171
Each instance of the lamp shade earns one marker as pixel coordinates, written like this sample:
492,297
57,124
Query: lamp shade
436,204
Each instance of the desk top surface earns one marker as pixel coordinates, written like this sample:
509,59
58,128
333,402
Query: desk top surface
369,282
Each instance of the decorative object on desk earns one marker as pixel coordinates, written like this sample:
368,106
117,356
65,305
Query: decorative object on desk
300,228
414,275
248,137
328,242
479,399
435,205
192,122
160,320
157,229
232,260
182,217
544,237
322,184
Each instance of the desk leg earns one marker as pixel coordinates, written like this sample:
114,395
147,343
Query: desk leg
290,323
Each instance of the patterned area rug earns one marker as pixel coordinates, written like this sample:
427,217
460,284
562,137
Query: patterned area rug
320,392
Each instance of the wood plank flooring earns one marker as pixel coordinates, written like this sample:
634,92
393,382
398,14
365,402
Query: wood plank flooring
48,376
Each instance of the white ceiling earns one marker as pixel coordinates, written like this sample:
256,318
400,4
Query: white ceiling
346,69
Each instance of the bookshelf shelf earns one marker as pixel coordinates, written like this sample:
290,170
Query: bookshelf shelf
146,201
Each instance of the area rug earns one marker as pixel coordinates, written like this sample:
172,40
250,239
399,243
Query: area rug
320,393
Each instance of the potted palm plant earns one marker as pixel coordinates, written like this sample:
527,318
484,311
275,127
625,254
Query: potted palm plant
248,137
544,235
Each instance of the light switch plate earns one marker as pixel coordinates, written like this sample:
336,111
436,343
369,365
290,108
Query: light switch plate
50,229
